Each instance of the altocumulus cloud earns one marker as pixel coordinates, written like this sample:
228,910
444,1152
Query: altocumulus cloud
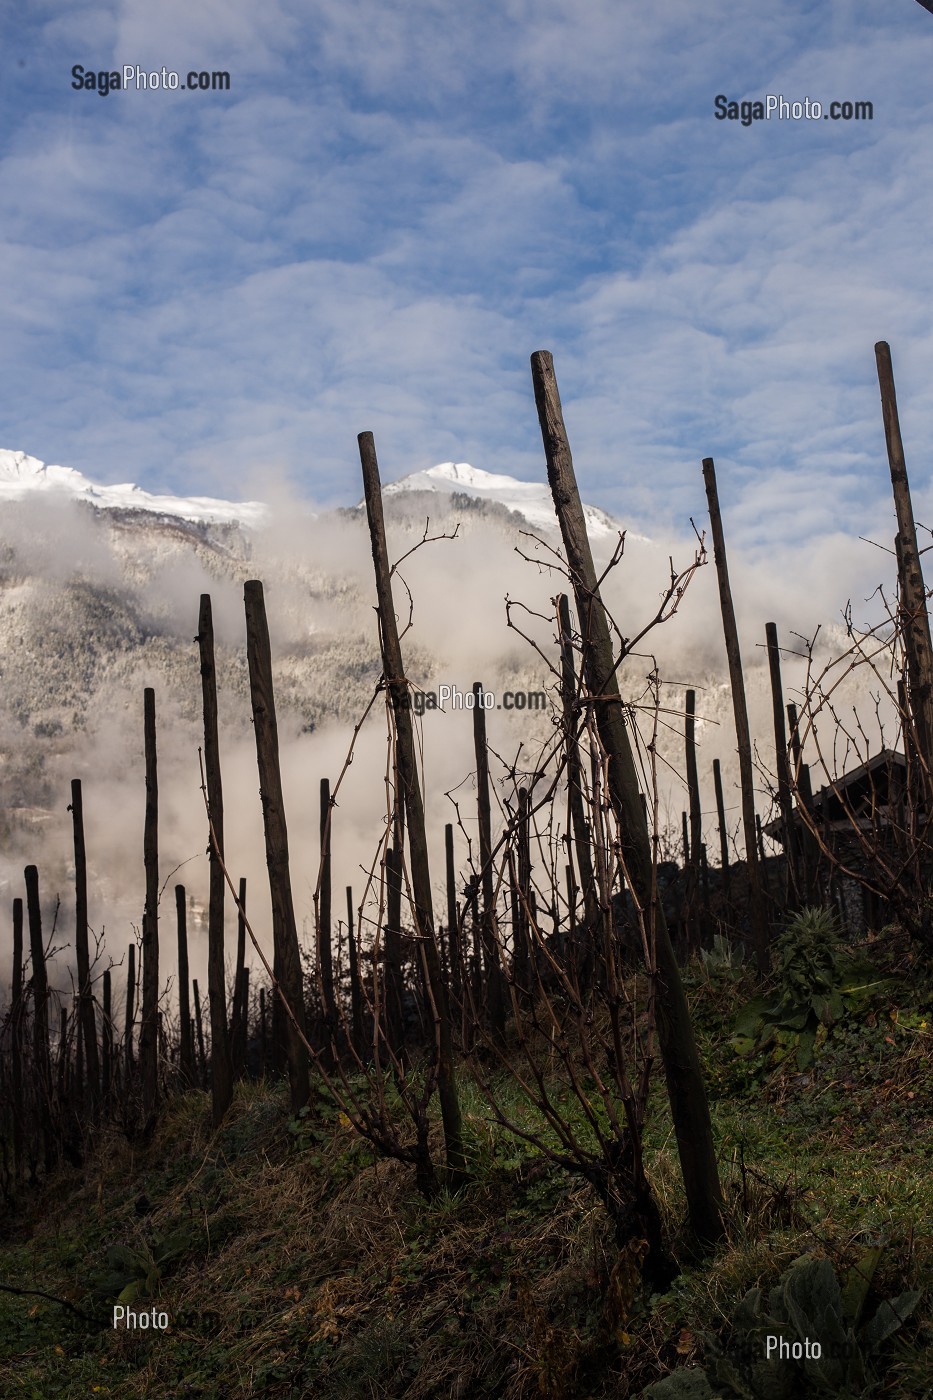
394,205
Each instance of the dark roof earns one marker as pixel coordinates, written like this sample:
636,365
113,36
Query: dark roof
863,793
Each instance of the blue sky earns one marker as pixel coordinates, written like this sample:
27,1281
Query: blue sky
395,204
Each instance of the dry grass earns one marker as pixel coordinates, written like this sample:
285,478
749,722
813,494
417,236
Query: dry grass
313,1270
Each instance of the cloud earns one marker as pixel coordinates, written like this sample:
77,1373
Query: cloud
393,207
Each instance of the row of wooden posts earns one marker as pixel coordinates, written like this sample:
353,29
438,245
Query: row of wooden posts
95,1062
283,1013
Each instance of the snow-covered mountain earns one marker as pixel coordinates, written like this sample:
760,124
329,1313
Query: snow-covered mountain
21,475
99,597
530,499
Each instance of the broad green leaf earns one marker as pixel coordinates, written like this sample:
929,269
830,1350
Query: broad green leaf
858,1282
889,1317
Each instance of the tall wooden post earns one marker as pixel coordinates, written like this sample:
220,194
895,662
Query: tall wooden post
41,1053
186,1038
915,619
241,1044
520,977
686,1089
287,959
759,918
62,1057
149,1022
263,1051
356,988
696,815
704,885
325,958
393,980
199,1029
394,672
16,1041
693,781
495,993
808,851
684,925
525,959
106,1040
130,1014
221,1070
453,917
476,960
240,1014
763,861
723,833
579,825
794,729
88,1026
783,767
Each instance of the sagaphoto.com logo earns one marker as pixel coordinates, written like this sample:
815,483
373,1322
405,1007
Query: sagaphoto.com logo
777,107
450,697
131,77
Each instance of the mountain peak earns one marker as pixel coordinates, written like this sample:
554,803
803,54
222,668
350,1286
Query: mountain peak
531,499
472,478
19,470
20,475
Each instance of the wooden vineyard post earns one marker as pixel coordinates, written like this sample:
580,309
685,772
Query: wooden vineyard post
149,1023
394,673
241,1046
240,1013
495,992
696,819
525,958
476,957
393,1027
809,849
915,619
325,960
81,1093
723,833
42,1064
704,885
16,1042
455,953
356,988
785,802
186,1038
445,965
87,1030
263,1051
106,1040
763,862
199,1030
759,918
579,826
287,958
683,1072
130,1015
221,1071
62,1067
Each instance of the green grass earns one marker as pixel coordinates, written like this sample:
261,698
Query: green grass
292,1262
